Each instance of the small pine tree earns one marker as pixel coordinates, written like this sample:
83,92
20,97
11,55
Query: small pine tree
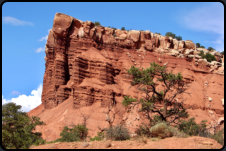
170,34
197,45
123,28
210,48
178,37
96,23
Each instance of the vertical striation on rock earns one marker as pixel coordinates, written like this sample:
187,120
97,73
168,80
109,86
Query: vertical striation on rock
76,50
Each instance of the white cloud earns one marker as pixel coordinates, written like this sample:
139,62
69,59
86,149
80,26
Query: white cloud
206,18
43,38
14,21
39,49
27,102
209,18
15,93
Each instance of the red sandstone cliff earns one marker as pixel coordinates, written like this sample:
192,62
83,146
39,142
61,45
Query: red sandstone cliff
86,72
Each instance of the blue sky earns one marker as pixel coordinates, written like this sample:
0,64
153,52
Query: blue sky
25,27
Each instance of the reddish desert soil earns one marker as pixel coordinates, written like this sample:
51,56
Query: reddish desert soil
194,142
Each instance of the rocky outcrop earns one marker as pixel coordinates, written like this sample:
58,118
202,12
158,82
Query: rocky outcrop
86,66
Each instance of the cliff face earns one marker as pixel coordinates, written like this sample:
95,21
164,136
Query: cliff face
86,67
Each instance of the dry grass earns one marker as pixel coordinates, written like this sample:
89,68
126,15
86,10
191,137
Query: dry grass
141,139
155,139
161,130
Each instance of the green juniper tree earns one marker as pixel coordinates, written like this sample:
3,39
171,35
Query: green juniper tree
123,28
197,45
17,128
96,23
173,86
210,48
170,34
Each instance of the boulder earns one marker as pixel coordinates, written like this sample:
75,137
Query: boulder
220,120
210,99
110,40
190,56
133,35
123,36
118,32
108,31
99,32
203,62
61,24
189,45
174,52
198,57
147,34
189,52
202,49
222,101
148,45
75,29
142,37
128,43
181,56
181,44
87,26
175,44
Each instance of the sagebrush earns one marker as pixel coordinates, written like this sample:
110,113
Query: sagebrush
118,132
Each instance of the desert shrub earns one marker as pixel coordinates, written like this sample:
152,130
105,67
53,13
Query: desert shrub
96,23
114,35
218,137
161,130
202,47
190,127
123,28
77,133
99,137
143,130
113,28
178,133
157,33
209,57
201,54
117,133
40,141
222,52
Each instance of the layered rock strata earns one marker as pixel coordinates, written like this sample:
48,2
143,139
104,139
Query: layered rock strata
86,65
70,37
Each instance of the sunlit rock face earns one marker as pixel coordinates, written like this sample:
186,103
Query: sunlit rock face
86,70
